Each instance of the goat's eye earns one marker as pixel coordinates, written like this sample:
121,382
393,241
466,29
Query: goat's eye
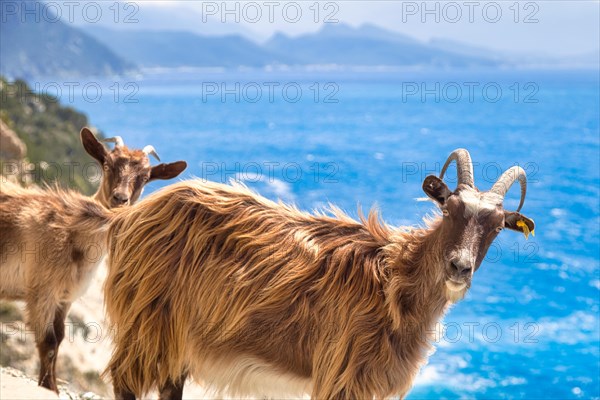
445,212
498,229
105,167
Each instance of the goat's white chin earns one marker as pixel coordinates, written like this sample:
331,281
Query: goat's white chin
455,286
455,291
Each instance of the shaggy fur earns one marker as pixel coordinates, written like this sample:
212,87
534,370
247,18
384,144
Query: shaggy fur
218,282
48,226
50,244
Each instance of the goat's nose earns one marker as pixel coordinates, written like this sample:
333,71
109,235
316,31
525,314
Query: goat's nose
120,198
460,269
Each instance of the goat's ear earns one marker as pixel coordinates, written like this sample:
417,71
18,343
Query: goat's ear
93,147
167,171
518,222
436,189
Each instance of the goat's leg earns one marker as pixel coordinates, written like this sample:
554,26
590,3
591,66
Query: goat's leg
48,344
343,394
333,380
121,393
173,390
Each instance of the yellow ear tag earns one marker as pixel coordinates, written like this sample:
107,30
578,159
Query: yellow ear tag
522,224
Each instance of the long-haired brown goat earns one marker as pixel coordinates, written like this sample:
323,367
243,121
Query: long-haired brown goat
251,297
51,241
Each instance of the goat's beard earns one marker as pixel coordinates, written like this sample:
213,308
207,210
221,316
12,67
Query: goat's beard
454,292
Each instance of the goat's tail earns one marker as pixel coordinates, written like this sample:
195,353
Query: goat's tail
87,216
95,218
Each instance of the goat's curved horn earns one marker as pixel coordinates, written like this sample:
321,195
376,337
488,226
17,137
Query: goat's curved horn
117,140
149,150
507,179
464,167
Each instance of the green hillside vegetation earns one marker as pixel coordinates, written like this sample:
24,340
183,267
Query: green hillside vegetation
51,133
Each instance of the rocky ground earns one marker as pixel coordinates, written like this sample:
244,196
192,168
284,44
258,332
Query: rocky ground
15,385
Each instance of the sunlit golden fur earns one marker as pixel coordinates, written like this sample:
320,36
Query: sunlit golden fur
49,242
52,241
217,281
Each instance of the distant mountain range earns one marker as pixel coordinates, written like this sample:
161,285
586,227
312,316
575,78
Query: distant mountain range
185,49
54,49
43,48
33,48
338,44
368,45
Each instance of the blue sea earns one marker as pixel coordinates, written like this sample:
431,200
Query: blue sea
529,327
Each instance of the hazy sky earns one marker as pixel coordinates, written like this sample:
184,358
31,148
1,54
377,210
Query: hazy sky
537,27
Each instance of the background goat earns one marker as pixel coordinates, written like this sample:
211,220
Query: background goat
52,241
252,297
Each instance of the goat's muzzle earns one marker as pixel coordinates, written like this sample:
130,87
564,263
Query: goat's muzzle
459,275
119,199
